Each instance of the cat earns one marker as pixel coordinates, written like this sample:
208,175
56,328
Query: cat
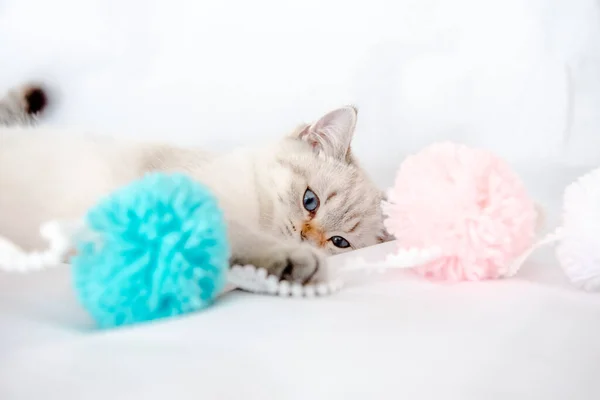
288,204
22,106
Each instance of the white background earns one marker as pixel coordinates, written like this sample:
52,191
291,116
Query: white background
519,77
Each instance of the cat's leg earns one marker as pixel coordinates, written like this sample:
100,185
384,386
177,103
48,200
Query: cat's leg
22,105
292,261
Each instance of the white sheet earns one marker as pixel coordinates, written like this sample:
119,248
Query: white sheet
531,337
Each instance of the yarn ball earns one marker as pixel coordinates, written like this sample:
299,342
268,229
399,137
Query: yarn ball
157,248
578,250
466,202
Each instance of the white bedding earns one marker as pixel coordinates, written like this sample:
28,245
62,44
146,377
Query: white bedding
531,337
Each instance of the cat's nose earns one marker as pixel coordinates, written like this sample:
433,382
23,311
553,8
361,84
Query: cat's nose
311,231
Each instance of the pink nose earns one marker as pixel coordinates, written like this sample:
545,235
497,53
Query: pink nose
313,233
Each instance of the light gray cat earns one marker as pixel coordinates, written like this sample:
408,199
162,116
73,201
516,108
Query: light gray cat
20,107
288,203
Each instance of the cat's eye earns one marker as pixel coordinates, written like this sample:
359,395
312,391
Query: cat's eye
310,201
340,242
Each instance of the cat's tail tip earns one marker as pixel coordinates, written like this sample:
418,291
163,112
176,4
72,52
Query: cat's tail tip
34,98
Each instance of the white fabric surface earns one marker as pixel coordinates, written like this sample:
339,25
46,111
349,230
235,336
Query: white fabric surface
530,337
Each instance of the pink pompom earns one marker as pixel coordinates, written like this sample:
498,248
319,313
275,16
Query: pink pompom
469,204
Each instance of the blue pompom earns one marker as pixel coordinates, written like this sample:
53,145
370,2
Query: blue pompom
161,250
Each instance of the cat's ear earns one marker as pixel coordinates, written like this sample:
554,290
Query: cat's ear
332,133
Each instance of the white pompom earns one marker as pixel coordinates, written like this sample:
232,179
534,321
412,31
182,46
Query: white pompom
310,291
284,288
578,251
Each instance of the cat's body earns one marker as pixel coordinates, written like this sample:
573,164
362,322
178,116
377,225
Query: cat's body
287,203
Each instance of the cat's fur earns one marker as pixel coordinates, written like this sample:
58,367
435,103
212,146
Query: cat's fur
20,107
57,174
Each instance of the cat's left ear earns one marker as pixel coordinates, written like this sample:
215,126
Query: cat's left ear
332,133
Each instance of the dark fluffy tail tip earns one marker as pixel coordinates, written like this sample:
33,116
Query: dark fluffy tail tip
36,100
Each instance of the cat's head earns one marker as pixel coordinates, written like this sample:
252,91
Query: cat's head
324,196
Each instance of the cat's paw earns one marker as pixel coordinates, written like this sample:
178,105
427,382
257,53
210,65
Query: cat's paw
296,262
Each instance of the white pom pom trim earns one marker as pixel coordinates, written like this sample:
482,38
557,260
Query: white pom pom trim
401,259
257,280
61,237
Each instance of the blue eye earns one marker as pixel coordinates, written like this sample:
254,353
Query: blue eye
310,201
340,242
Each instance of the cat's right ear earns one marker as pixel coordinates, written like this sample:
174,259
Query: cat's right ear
332,134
